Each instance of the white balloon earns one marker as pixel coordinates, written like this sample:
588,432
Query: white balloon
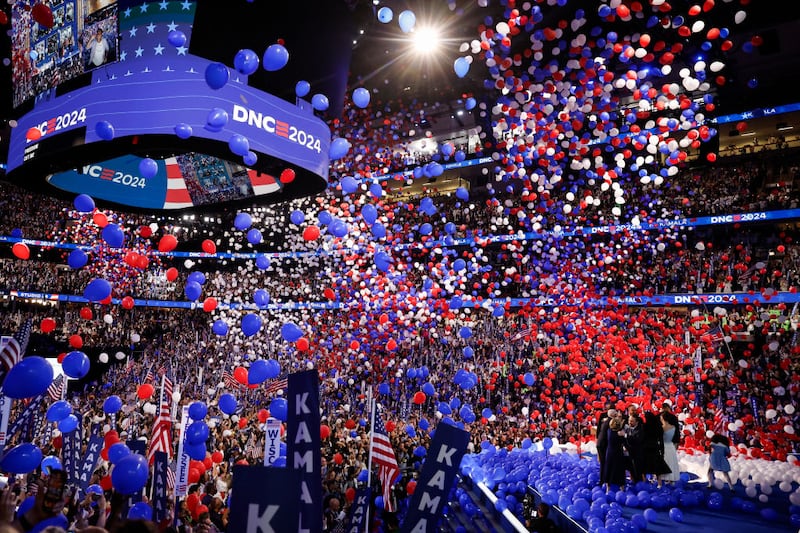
788,428
176,396
119,356
108,319
788,409
135,337
103,357
770,414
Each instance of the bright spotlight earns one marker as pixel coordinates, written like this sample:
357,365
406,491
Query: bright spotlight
426,40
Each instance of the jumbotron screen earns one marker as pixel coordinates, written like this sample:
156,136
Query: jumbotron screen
54,41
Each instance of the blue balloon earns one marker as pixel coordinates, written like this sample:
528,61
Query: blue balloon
197,432
140,511
376,190
228,404
83,203
192,290
383,388
528,379
104,130
262,262
239,145
21,459
58,411
461,66
68,424
30,377
197,277
273,369
278,408
385,14
324,218
275,57
117,452
676,514
250,158
338,228
196,451
382,261
465,332
50,463
197,410
261,297
297,217
76,364
251,324
254,236
257,373
77,258
379,502
112,404
468,352
291,332
369,214
97,290
176,38
183,130
113,236
361,97
407,20
217,119
320,102
428,388
470,104
349,184
129,475
242,221
220,327
148,168
378,231
16,233
245,61
462,194
302,88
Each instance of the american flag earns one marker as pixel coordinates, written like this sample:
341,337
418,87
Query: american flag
229,380
13,348
276,385
522,334
383,456
56,388
161,438
149,376
171,476
713,336
719,420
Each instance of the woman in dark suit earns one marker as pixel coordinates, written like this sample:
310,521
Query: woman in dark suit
653,447
615,463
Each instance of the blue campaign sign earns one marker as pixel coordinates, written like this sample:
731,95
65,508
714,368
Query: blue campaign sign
436,479
264,500
160,467
357,518
303,446
90,459
117,180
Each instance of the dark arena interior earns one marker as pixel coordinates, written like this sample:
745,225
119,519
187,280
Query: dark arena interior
399,265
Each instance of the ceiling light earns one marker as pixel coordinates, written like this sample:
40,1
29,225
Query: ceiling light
425,40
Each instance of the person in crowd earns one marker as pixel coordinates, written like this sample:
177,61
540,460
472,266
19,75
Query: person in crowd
719,451
615,462
671,437
540,522
634,446
653,463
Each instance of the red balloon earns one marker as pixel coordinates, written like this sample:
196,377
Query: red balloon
302,344
104,454
141,262
350,424
324,431
209,304
145,232
191,501
127,302
47,325
194,475
217,457
61,357
419,398
209,246
112,437
311,233
287,176
207,462
105,482
240,375
167,243
33,134
337,458
86,313
329,294
263,414
145,391
242,423
76,341
391,345
411,486
21,250
390,425
350,494
43,15
57,442
172,274
100,219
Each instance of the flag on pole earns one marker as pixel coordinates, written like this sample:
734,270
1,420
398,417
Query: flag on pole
56,389
719,420
10,353
383,456
230,381
161,437
276,385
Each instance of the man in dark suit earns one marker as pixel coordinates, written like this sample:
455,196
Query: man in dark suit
602,438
